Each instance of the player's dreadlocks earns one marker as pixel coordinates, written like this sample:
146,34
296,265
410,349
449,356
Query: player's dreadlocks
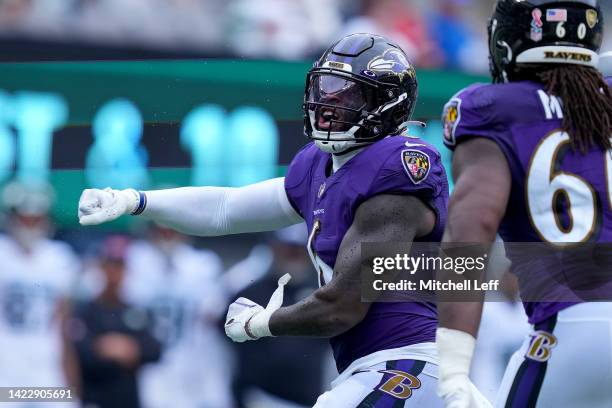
587,103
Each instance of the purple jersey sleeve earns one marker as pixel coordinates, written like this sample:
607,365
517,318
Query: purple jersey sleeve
484,111
411,167
298,176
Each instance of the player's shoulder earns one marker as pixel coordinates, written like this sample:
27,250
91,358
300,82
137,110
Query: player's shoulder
394,149
300,168
489,99
476,94
409,156
486,93
305,158
474,99
392,144
307,153
483,109
609,80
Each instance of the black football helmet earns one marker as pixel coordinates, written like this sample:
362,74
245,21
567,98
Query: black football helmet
543,32
362,89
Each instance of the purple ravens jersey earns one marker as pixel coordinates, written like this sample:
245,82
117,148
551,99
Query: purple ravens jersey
327,202
558,195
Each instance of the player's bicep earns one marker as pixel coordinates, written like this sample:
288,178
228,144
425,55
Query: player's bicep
392,218
383,218
482,187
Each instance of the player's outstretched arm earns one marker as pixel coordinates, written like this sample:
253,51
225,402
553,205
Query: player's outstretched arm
204,211
478,203
336,307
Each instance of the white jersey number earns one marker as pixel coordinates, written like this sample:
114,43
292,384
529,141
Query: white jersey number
324,272
545,186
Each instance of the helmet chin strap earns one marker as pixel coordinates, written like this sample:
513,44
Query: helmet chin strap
337,148
343,153
334,146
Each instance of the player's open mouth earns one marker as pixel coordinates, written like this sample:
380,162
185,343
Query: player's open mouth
326,117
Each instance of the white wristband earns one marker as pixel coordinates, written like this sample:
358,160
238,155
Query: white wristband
455,350
133,199
259,325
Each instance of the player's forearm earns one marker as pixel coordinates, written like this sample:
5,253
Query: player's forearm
315,316
470,223
212,211
474,214
191,210
464,316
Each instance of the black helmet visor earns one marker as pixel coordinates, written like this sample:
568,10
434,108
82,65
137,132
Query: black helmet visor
337,101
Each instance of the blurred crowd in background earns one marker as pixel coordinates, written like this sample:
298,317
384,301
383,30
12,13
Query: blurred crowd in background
435,34
136,319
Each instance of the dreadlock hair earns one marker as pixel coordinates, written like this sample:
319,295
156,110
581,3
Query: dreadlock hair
586,99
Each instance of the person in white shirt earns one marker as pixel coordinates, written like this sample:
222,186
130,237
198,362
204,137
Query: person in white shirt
182,288
36,279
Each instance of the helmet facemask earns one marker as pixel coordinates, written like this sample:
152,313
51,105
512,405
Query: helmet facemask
338,108
344,111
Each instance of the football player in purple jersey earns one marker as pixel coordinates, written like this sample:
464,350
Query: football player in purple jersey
358,180
533,160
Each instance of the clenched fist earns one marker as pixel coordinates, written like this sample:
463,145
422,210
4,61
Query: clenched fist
99,206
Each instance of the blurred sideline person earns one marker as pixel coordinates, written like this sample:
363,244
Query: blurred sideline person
533,159
111,337
359,180
36,279
181,288
263,365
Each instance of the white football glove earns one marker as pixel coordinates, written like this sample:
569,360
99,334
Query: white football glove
99,206
459,392
246,320
455,350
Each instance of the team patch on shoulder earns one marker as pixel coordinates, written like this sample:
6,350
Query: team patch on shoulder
450,120
416,164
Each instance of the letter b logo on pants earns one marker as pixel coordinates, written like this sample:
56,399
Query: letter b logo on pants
541,345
